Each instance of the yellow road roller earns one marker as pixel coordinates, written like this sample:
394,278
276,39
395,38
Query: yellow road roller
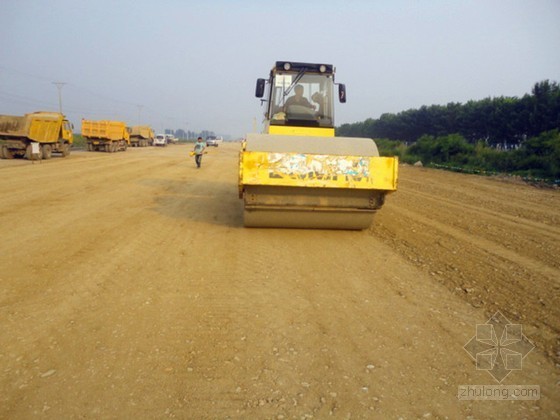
297,174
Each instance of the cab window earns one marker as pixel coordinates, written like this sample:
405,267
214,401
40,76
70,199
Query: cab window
303,101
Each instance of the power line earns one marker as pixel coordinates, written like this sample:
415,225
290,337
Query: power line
18,72
151,111
19,98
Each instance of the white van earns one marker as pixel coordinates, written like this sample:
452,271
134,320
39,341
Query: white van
160,140
214,140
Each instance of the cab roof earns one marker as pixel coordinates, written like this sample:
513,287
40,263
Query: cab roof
307,67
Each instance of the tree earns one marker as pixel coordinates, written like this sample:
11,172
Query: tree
545,107
446,149
502,121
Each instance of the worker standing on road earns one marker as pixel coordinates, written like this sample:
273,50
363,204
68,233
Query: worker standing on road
198,150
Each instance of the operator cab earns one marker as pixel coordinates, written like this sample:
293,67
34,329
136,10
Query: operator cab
300,94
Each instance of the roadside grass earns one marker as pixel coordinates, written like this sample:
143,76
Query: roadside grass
79,142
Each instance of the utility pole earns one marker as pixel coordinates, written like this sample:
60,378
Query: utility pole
59,86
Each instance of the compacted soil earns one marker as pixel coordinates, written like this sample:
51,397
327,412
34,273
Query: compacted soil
129,288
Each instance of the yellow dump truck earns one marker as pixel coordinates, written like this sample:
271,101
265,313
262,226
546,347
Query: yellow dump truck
36,135
105,136
141,136
298,174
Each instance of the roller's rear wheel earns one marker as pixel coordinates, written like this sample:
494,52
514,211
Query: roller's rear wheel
307,219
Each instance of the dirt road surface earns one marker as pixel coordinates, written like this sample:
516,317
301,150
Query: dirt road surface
130,289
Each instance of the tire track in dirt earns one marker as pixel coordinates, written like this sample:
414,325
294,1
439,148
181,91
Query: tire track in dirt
482,258
530,226
86,281
96,172
523,238
517,200
161,305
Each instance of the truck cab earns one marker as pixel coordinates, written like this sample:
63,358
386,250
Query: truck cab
66,131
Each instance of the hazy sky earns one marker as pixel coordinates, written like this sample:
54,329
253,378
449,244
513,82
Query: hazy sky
193,64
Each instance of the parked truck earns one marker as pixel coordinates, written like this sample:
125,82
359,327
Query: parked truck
141,136
35,135
105,136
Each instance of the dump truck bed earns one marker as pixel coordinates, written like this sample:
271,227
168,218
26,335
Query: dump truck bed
141,131
14,126
106,130
42,127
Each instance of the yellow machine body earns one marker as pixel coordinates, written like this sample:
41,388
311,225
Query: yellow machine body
292,169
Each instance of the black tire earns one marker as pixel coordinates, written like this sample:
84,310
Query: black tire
29,154
46,151
66,149
7,153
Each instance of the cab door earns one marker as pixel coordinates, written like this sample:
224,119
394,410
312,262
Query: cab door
67,135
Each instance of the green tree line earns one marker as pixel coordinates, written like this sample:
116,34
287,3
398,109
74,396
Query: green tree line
504,134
